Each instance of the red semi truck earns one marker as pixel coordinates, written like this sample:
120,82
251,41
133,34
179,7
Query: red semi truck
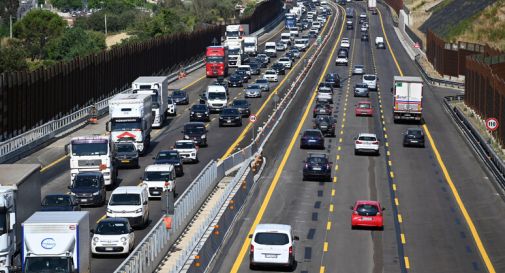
216,61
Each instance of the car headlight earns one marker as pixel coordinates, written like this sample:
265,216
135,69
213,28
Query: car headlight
95,239
237,117
138,210
192,113
123,239
186,137
220,117
96,193
203,136
109,210
206,113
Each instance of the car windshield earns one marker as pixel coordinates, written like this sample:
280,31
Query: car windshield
184,145
416,133
87,149
270,72
253,86
125,124
312,133
179,94
369,77
261,81
361,85
217,95
214,59
358,66
111,228
367,210
321,118
194,129
167,155
271,238
364,106
317,160
123,199
125,148
86,181
57,201
199,107
284,60
367,138
157,176
230,111
342,54
235,77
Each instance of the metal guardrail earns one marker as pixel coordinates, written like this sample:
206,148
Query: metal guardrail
481,146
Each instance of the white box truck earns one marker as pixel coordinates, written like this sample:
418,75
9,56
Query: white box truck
372,6
251,45
56,241
93,154
131,119
157,87
19,199
407,98
235,50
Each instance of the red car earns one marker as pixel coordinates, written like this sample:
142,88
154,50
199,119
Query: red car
364,108
367,214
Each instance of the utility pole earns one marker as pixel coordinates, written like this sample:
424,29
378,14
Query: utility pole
10,26
105,25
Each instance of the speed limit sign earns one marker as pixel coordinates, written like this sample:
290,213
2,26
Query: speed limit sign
492,124
252,118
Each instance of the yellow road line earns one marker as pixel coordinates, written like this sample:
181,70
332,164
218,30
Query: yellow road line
331,207
334,179
400,218
321,270
403,238
50,165
333,192
325,247
328,225
397,203
394,187
407,262
101,218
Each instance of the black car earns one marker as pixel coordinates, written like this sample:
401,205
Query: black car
244,75
255,68
243,107
230,117
60,202
349,25
326,124
413,137
180,97
195,131
170,157
290,55
89,188
262,62
126,155
236,80
322,108
364,37
199,112
333,79
312,138
279,68
317,166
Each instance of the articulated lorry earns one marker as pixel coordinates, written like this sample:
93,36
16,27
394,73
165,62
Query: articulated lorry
157,87
56,241
19,199
131,119
407,98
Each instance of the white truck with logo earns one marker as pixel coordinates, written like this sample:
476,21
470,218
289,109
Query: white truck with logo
93,154
18,183
131,119
159,178
157,87
251,45
235,50
216,97
407,98
56,241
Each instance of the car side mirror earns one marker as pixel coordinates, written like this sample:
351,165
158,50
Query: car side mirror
145,202
92,230
383,209
296,238
250,236
66,149
351,207
107,126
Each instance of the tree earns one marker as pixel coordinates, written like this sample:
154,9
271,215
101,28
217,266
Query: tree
75,42
38,27
12,56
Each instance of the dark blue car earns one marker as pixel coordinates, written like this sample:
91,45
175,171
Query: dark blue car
317,166
312,139
170,157
89,189
180,97
60,202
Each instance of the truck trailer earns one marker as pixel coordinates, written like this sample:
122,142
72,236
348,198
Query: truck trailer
407,98
56,241
157,87
19,199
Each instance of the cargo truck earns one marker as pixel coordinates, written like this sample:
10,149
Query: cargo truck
251,45
235,50
131,119
56,241
407,98
19,199
157,87
372,6
216,61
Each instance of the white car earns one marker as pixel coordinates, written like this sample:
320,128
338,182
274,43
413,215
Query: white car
187,150
364,28
379,42
294,31
371,81
324,94
171,109
286,62
270,75
366,143
159,178
281,46
316,25
130,202
301,44
112,236
321,19
272,244
345,43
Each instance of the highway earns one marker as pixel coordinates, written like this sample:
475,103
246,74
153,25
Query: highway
442,214
221,142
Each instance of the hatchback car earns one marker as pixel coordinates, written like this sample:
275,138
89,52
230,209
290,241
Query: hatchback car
245,76
89,189
170,157
366,213
312,138
363,108
243,106
264,84
235,80
326,124
322,108
230,117
371,81
60,202
199,112
361,90
112,236
272,245
358,69
126,155
345,43
188,150
253,91
295,51
413,137
317,166
195,131
333,79
366,143
180,97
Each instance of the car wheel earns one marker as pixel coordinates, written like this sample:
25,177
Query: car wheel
252,266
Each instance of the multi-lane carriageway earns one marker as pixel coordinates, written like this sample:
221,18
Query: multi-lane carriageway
443,212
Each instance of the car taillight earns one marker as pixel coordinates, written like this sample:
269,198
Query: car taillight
306,165
375,142
327,166
359,142
252,249
290,250
378,214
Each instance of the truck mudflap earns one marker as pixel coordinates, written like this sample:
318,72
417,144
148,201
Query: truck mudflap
407,116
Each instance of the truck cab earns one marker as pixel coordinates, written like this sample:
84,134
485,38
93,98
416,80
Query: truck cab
251,45
270,49
157,87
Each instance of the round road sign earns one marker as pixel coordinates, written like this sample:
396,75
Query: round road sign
492,124
416,45
252,118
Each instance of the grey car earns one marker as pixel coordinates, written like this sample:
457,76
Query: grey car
264,84
126,155
359,69
361,90
253,91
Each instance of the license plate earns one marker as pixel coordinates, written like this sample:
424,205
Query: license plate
228,121
125,161
156,192
413,141
316,169
198,115
270,255
108,249
366,218
407,115
84,200
312,140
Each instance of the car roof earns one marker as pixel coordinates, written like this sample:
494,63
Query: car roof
273,228
365,75
128,189
195,123
159,168
318,155
367,135
113,219
185,141
414,129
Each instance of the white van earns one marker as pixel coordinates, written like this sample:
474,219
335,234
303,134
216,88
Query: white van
272,244
270,49
379,42
317,25
286,38
216,97
301,44
159,178
130,202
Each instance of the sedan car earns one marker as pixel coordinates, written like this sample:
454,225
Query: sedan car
366,143
345,43
89,188
413,137
312,138
279,68
326,124
188,150
264,84
358,69
243,106
366,213
280,46
317,166
364,37
126,155
180,97
255,68
361,90
236,80
112,236
199,112
363,108
253,91
333,79
230,117
245,76
60,202
170,157
195,131
295,51
286,62
322,108
271,75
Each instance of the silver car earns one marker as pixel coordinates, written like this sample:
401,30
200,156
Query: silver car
359,69
361,90
253,91
264,84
